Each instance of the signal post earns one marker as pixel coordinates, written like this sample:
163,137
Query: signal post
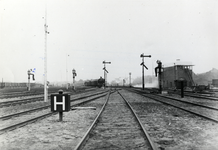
30,74
105,71
74,75
143,66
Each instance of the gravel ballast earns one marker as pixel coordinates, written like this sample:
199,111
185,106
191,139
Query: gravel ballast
172,128
169,127
49,133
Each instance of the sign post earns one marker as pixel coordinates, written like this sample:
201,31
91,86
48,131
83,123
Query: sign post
60,103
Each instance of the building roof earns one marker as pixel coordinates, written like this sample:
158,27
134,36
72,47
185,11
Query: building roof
178,63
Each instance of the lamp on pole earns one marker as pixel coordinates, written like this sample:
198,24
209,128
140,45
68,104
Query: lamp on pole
130,79
74,75
143,65
67,71
105,71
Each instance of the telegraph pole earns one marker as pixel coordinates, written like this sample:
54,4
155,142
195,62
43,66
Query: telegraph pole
105,71
66,72
45,60
143,65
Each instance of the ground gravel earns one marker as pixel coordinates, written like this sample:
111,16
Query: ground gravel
173,129
49,133
170,128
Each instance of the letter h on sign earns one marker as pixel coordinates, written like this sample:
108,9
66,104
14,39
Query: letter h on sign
60,102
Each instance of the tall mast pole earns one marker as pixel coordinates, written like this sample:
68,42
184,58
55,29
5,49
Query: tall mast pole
45,59
143,76
104,77
66,72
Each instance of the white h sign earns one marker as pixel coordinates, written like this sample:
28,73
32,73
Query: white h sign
59,103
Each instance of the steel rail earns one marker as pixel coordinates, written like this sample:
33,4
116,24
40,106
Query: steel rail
6,102
44,107
192,103
175,99
186,93
23,112
152,145
83,140
19,95
201,96
18,102
15,126
197,95
29,93
187,110
23,101
12,127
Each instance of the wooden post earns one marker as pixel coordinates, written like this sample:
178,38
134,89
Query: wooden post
182,89
60,116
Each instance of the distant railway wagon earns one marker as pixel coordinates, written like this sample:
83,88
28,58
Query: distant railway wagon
95,82
200,88
17,85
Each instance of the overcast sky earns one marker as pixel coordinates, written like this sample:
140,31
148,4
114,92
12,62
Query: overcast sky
84,33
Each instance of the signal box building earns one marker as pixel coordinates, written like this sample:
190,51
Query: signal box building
175,72
215,82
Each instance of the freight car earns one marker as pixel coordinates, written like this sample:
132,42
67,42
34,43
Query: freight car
200,88
11,85
95,83
17,85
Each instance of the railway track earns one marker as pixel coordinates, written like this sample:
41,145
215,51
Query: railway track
196,95
22,94
116,127
205,111
27,119
41,108
17,94
21,101
202,96
35,92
